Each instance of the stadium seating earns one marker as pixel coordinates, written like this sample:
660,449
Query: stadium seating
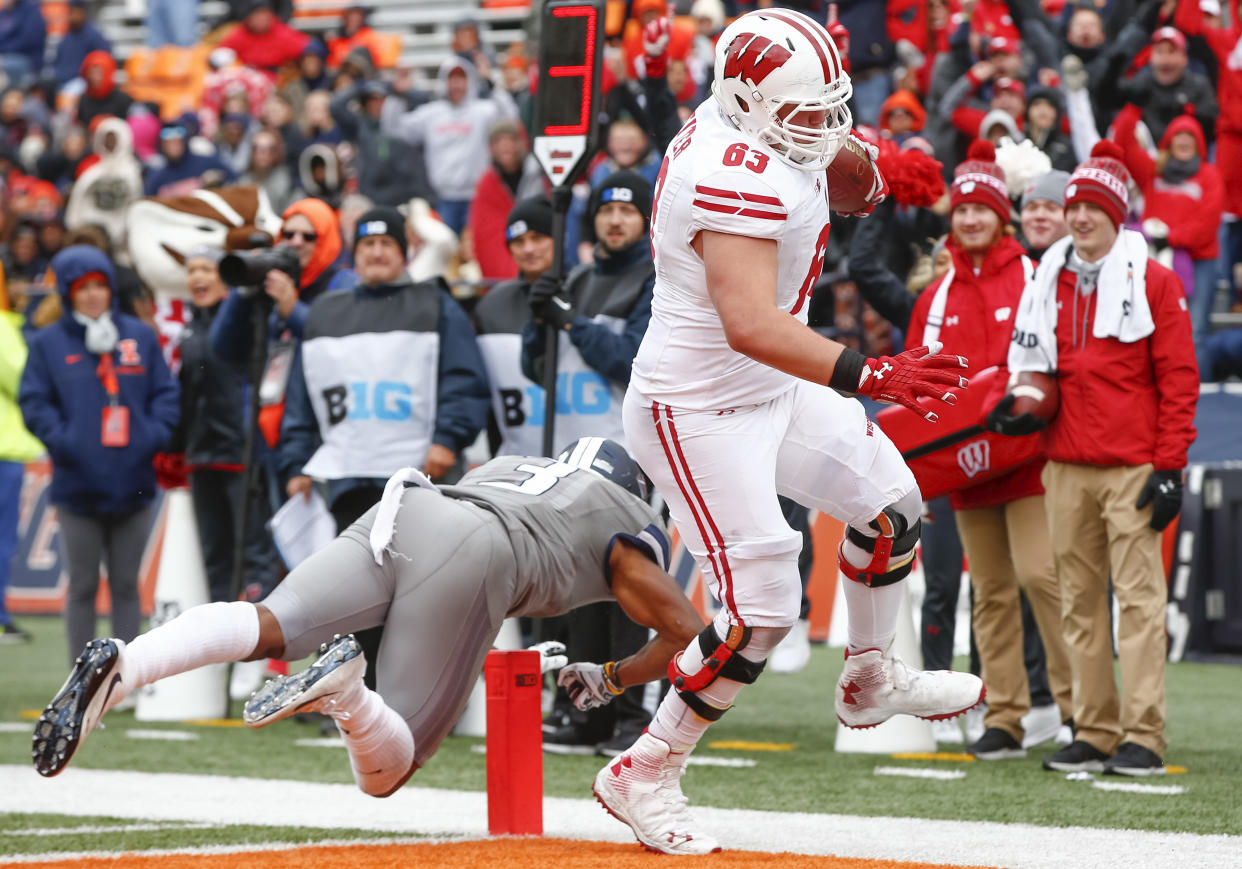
415,34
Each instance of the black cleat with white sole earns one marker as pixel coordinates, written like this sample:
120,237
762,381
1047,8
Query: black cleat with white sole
78,706
315,689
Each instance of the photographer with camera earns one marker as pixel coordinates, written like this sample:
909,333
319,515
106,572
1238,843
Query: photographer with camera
288,287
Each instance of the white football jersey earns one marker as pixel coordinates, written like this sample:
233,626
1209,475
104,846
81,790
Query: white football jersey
715,177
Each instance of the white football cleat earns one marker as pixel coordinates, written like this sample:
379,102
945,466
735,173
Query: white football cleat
642,788
1040,724
316,689
793,653
873,688
946,731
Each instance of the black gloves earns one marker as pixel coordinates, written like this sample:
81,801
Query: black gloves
1163,490
1001,422
549,304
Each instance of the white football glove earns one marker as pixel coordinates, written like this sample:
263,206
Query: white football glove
587,685
551,655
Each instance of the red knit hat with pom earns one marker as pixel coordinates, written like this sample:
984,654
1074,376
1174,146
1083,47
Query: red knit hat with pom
1101,180
980,180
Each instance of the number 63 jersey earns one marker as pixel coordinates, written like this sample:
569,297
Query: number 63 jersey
716,178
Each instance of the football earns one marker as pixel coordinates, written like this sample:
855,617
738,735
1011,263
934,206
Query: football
851,175
1035,393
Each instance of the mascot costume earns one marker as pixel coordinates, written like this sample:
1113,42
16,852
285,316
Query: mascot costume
162,231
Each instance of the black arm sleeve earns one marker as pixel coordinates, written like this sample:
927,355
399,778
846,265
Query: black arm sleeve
882,289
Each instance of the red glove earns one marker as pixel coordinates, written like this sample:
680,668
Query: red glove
840,37
171,471
655,44
915,374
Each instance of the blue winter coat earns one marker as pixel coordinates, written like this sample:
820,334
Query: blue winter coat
73,48
23,31
62,401
191,165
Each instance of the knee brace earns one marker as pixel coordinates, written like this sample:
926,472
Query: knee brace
896,533
718,659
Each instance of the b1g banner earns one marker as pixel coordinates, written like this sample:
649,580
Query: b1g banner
40,581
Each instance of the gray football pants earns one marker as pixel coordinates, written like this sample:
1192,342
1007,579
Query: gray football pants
442,593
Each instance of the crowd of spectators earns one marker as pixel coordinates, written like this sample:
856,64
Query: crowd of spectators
338,136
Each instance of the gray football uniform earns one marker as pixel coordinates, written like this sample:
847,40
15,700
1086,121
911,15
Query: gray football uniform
517,536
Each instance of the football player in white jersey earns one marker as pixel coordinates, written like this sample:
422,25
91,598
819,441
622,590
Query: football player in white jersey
732,400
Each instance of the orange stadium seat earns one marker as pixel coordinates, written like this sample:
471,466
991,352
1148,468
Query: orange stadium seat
171,76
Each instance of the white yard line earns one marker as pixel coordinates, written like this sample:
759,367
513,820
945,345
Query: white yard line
94,829
224,800
921,772
166,735
1138,788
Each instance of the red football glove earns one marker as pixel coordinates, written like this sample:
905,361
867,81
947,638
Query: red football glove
171,471
915,374
655,44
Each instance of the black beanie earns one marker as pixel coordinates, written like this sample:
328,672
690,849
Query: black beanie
533,214
382,221
622,186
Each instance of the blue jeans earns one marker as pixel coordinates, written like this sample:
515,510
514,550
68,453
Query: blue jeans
11,474
172,22
1201,312
16,67
454,213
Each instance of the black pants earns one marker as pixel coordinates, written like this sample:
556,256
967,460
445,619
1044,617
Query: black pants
346,510
217,497
603,632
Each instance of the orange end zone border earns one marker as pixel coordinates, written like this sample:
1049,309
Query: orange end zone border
501,853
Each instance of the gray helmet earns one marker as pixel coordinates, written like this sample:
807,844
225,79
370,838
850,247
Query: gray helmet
608,459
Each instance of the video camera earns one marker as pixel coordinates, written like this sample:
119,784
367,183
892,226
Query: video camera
247,269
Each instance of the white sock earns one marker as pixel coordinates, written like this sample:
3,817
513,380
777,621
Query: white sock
872,614
380,745
215,633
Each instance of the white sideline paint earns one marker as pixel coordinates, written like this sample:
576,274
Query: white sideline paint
445,813
166,735
217,850
693,760
17,727
1137,788
90,829
921,772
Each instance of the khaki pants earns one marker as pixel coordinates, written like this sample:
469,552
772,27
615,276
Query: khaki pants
1097,531
1007,547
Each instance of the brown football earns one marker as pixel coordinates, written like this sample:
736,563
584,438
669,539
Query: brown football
1035,393
850,176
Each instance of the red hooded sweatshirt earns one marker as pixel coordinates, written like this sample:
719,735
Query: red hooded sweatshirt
1191,208
1226,44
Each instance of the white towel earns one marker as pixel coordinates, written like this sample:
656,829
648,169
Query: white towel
386,519
1121,308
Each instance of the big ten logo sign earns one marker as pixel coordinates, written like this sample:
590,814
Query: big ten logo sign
584,393
384,400
38,555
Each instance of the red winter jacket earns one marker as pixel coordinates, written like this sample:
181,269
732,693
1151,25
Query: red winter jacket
1125,404
489,212
1191,209
1226,44
978,324
268,51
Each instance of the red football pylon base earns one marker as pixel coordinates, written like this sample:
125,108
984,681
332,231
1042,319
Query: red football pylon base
514,743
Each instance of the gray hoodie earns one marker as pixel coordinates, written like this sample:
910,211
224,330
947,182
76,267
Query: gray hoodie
453,136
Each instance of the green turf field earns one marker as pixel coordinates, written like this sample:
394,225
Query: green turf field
1205,716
